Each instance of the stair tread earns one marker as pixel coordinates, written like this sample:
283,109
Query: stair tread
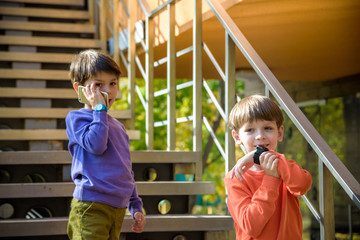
45,134
41,93
6,112
154,223
44,13
50,2
34,74
63,157
65,189
47,26
50,41
36,57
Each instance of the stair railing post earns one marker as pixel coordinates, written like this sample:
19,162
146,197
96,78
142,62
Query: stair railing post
149,86
91,9
197,85
131,59
229,100
171,76
326,201
103,25
116,31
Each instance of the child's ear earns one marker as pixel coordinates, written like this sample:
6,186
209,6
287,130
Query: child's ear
76,87
280,133
236,137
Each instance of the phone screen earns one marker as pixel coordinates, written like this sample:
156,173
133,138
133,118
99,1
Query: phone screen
82,98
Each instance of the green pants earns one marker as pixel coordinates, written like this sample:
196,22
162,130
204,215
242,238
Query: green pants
91,220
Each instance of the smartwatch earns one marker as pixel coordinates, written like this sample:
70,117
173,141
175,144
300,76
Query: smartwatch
100,107
259,150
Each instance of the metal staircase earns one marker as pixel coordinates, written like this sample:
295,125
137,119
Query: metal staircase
37,42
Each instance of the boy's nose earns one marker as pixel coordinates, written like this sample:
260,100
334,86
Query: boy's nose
259,134
105,89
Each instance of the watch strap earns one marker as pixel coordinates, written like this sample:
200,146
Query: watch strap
101,107
259,150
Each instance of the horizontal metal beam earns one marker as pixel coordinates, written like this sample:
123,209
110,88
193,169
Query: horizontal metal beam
65,189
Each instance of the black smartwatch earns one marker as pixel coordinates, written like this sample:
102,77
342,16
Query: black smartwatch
259,150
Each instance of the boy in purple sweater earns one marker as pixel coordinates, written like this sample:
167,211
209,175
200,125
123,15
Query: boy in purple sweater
99,145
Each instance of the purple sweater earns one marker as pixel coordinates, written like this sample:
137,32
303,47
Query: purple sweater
101,166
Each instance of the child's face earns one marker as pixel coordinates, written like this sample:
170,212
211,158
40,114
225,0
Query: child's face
260,132
106,82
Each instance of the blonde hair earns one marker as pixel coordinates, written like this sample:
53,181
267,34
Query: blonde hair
90,62
253,108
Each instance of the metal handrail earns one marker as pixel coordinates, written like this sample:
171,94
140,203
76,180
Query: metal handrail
328,157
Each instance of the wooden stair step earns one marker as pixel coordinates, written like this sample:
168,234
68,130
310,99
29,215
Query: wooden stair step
50,2
41,93
34,74
154,223
45,134
44,13
50,113
35,57
47,27
63,157
65,189
50,42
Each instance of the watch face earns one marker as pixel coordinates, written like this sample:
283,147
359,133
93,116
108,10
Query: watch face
100,107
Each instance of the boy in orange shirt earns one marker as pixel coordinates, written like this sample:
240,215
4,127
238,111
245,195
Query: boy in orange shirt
263,197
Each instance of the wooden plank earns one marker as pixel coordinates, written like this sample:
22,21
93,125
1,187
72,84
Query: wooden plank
45,134
65,189
154,223
50,2
44,13
63,157
36,57
51,113
50,42
47,27
34,74
48,93
40,93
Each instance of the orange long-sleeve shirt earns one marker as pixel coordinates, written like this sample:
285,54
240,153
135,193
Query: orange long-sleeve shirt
265,207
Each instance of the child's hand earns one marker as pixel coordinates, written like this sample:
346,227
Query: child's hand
93,95
242,165
269,163
139,222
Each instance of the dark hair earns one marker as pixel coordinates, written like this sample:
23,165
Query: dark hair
90,62
252,108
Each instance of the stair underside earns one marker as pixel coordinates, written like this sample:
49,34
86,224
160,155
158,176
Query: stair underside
154,223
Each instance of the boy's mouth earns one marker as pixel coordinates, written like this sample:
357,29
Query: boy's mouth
264,145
